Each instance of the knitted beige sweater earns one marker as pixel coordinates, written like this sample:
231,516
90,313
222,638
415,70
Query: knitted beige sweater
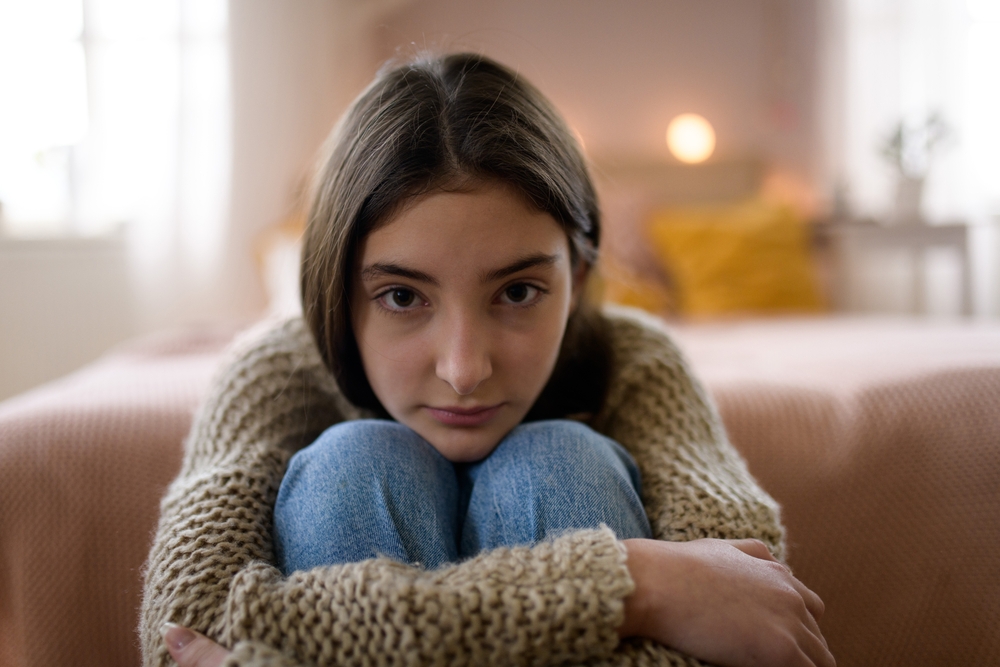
211,566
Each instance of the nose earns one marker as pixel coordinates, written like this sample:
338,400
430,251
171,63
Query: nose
463,359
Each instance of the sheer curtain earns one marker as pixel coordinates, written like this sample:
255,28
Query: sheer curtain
157,157
907,59
43,112
119,112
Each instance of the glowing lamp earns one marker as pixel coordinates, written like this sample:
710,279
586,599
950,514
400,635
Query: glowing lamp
690,138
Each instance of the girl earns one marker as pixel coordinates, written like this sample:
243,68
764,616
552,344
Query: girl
448,511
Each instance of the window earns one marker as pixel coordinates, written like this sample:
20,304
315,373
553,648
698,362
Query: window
906,60
116,112
43,112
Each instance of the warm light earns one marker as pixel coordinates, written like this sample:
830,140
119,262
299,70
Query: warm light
690,138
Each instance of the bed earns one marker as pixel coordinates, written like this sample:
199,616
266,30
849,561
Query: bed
879,437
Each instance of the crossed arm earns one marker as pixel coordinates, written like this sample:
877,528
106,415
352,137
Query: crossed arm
771,617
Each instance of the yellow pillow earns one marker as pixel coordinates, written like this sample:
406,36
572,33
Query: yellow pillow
743,258
615,283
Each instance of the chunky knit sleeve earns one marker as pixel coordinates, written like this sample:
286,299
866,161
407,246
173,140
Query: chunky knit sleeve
211,569
694,482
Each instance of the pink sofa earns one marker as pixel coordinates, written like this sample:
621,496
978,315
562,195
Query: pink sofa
881,440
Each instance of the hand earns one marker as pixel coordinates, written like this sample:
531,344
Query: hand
728,602
191,649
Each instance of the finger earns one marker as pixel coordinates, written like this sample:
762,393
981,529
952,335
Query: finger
754,548
191,649
814,603
804,657
814,645
758,549
813,627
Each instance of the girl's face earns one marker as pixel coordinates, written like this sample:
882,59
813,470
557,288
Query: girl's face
459,305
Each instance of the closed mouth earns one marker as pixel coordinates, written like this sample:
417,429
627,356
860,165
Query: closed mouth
453,415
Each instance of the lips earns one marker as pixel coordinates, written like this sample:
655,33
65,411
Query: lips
458,416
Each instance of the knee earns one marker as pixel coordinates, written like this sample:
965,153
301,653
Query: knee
353,446
359,454
561,475
342,495
559,432
570,447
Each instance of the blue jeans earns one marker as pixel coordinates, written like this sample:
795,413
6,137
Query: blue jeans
371,488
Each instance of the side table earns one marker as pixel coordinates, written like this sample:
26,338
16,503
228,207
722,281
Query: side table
849,238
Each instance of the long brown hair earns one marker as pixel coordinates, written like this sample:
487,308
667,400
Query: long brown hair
434,123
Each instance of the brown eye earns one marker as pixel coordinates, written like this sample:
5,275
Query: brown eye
399,299
517,293
521,294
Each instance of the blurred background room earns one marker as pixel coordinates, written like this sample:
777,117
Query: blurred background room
153,155
806,192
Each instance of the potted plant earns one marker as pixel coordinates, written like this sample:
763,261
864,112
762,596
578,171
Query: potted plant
909,149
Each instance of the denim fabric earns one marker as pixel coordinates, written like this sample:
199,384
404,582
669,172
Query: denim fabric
369,488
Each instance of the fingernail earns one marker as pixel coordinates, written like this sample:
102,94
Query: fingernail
176,637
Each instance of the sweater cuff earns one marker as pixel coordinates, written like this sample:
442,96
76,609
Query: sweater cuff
611,568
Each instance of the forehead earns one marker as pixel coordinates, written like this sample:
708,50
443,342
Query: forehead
487,223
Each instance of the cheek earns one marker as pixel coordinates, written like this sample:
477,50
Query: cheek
532,354
394,362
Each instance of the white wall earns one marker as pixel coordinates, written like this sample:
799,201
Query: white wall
62,303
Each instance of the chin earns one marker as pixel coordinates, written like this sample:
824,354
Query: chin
465,445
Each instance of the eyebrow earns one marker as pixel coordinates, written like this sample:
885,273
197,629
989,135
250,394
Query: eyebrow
379,269
529,262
